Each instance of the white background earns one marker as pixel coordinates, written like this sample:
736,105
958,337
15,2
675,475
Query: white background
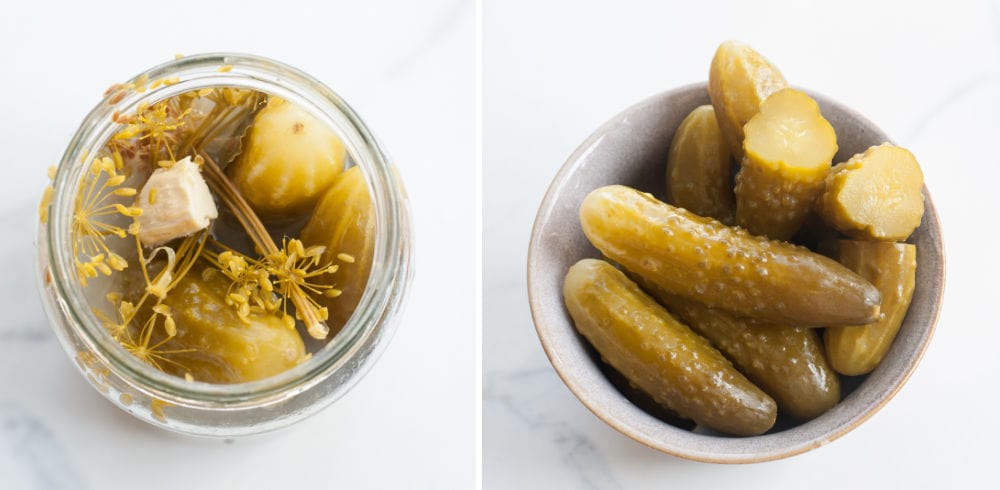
408,69
926,72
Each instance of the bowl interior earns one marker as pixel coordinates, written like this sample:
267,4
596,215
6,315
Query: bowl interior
631,149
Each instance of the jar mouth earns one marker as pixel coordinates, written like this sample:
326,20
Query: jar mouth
373,321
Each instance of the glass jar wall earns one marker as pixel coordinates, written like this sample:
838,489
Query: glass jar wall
190,405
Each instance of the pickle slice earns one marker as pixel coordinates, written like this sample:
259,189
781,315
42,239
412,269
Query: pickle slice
875,195
786,362
225,349
344,222
289,159
698,167
662,356
788,150
892,267
738,81
704,260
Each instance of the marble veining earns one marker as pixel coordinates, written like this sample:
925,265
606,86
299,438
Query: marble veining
23,319
41,460
533,396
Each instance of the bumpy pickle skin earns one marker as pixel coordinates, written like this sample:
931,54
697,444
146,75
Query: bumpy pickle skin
786,362
344,222
876,195
642,399
724,267
288,160
788,151
224,348
892,268
738,81
698,167
660,355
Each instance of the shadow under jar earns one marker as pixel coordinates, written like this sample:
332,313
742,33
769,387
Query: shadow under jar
331,367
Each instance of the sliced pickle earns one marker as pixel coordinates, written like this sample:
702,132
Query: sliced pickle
738,81
875,195
788,150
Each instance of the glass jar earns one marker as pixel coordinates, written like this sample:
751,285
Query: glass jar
238,409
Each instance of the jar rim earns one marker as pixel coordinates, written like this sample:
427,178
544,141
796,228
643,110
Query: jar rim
373,321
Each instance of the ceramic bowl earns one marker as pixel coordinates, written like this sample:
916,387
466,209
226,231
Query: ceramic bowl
631,149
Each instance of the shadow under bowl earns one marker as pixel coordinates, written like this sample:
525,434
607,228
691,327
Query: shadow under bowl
631,149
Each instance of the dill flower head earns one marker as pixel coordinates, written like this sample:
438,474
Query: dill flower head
99,214
156,125
265,284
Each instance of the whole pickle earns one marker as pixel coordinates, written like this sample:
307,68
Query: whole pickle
642,399
704,260
892,268
738,81
344,222
875,195
788,150
698,167
289,158
786,362
662,356
223,348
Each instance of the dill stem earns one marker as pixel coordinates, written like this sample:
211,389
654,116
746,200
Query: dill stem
231,197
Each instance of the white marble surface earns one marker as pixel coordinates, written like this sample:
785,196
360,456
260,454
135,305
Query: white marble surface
407,68
927,72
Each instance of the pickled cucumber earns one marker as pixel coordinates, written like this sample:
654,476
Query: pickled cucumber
738,81
223,348
698,167
642,399
892,268
704,260
289,159
875,195
816,235
786,362
344,222
788,149
662,356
